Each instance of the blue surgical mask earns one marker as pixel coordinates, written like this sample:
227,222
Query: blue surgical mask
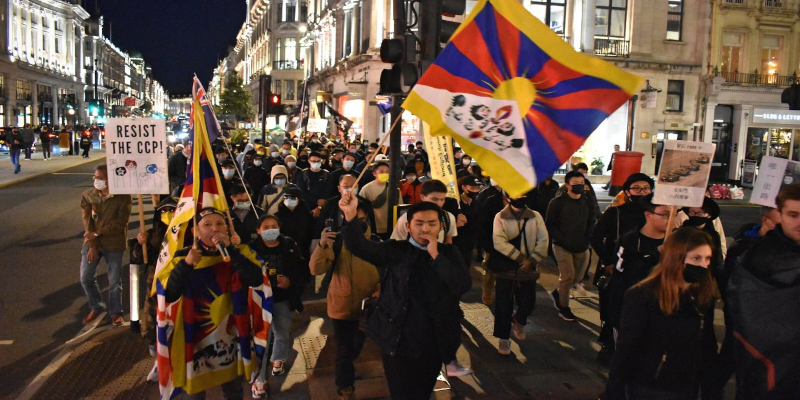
228,173
280,182
291,164
257,163
274,154
348,164
291,203
270,235
415,244
243,205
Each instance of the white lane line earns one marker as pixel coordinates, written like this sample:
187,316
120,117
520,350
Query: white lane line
6,342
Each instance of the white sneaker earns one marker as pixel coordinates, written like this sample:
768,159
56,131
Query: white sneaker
505,347
456,369
153,375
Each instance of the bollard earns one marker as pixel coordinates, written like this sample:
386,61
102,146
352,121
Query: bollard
134,297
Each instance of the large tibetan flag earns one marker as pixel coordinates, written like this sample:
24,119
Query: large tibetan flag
201,331
515,95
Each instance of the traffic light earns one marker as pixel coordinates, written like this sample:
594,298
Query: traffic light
791,96
101,105
434,30
94,110
401,53
274,106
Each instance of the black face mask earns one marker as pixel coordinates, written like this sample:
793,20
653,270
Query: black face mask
578,189
637,199
303,159
518,203
472,195
694,273
696,221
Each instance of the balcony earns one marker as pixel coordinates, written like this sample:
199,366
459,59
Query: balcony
610,47
779,4
756,79
287,64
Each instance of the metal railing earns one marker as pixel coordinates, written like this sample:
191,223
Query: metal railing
609,47
757,79
774,3
287,64
741,2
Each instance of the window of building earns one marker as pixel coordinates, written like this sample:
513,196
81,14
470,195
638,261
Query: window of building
770,54
289,90
303,11
44,22
675,20
57,24
731,52
279,6
2,88
674,96
23,90
551,12
290,49
277,87
347,37
56,46
291,11
610,18
44,43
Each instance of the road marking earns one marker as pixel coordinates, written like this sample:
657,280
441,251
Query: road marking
72,173
6,342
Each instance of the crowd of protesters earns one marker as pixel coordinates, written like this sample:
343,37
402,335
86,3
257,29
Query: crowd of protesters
302,209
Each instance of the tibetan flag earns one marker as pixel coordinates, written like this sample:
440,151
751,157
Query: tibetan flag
182,332
515,96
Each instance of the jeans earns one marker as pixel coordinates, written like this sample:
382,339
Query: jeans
28,150
505,295
281,325
411,378
46,150
349,342
89,280
571,267
231,390
15,159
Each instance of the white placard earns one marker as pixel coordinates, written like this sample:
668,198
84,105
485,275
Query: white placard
317,125
136,156
774,174
683,174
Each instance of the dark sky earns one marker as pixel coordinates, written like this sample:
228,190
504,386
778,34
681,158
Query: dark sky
177,38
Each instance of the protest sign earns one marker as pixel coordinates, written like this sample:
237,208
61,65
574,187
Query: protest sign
683,174
136,156
774,174
440,157
317,125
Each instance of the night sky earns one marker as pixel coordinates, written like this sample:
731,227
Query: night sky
177,38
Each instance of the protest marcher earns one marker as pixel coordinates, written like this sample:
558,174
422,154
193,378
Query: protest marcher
544,192
702,218
615,222
419,302
666,346
295,219
228,178
105,225
491,201
177,165
351,280
348,165
520,242
467,237
377,192
411,187
313,181
332,212
200,273
291,168
256,175
288,273
583,169
244,214
570,220
271,196
433,191
762,299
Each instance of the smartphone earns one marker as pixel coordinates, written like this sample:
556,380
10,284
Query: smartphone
329,225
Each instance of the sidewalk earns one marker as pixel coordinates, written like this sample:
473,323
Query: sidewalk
37,166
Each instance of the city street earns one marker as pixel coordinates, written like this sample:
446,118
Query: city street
42,304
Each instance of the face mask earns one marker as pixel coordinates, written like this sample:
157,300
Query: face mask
303,159
257,163
285,152
694,273
352,151
291,164
637,199
270,235
578,189
314,141
465,161
348,164
100,184
415,244
316,166
228,173
290,203
383,178
696,221
411,178
243,205
471,195
166,217
274,154
280,182
518,203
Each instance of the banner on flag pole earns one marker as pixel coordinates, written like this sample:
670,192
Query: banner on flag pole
440,157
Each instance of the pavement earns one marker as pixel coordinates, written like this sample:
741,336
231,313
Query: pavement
38,166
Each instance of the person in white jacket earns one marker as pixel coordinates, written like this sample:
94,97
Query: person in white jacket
520,242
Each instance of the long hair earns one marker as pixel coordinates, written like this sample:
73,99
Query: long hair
668,274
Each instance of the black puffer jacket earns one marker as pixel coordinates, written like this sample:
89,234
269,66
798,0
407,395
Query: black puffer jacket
763,299
419,296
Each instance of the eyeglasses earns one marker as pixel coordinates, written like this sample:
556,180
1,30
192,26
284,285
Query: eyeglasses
640,189
698,214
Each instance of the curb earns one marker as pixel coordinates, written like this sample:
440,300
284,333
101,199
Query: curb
49,171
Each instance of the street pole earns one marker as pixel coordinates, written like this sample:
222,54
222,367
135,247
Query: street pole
397,111
95,79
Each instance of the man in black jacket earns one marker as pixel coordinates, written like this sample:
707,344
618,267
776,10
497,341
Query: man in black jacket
763,299
176,167
420,289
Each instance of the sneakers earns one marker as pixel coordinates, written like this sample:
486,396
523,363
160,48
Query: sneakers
505,347
153,375
91,316
277,367
347,393
519,330
455,369
258,389
566,314
554,296
117,320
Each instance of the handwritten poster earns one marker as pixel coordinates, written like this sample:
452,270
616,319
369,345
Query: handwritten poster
683,174
440,156
136,156
774,174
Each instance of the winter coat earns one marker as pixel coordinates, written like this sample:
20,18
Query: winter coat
507,227
615,223
570,221
289,263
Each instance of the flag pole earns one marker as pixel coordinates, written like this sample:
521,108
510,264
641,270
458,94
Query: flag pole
672,211
140,200
396,120
241,179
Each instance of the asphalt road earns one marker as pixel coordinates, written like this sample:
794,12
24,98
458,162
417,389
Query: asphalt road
41,299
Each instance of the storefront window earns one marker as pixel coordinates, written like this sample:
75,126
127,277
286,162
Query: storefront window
775,142
354,111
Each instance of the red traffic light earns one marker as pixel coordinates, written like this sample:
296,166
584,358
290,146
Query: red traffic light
275,99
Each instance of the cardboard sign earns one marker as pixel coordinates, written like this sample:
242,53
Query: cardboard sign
136,156
683,174
774,174
317,125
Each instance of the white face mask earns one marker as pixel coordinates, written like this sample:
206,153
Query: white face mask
285,152
257,163
316,166
290,203
465,161
243,205
270,235
228,173
274,154
291,164
100,184
280,182
348,164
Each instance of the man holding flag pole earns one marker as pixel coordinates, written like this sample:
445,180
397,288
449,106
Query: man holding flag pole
204,324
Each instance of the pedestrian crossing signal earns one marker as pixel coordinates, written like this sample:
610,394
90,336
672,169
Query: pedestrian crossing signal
274,106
